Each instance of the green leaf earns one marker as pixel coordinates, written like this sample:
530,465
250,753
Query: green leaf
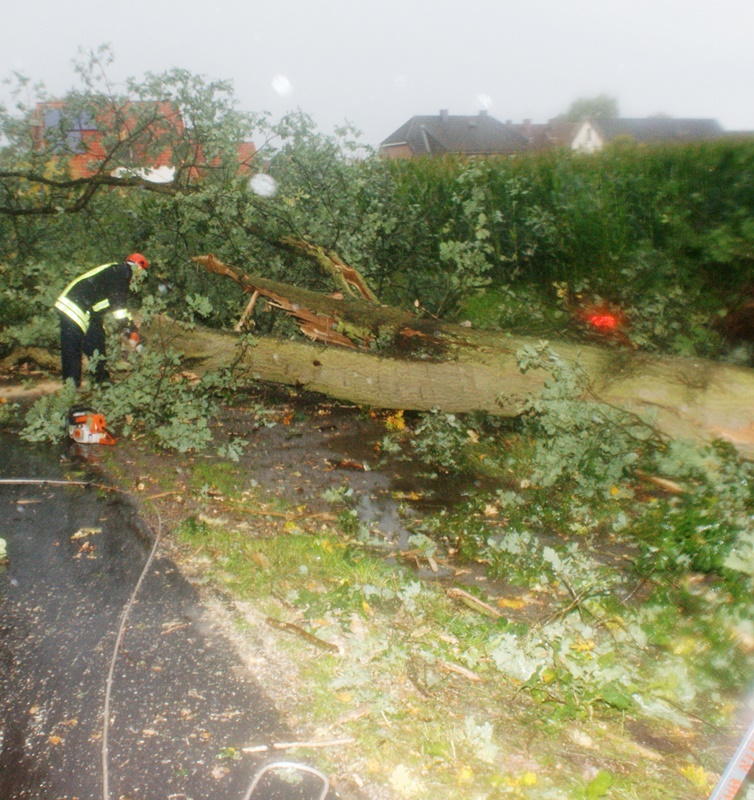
599,786
613,696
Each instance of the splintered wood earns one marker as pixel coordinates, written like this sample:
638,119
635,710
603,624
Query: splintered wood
317,327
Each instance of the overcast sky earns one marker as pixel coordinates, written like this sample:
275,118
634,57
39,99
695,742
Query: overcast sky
378,63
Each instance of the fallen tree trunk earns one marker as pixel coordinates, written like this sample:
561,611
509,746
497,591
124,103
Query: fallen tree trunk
35,355
691,398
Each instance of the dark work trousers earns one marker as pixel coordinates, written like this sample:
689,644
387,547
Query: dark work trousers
74,343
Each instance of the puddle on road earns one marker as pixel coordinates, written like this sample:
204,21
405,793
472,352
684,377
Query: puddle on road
394,489
331,447
334,448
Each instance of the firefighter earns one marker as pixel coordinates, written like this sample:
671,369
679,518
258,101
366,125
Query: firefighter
83,305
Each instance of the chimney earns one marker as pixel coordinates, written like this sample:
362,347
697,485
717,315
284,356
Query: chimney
483,112
443,115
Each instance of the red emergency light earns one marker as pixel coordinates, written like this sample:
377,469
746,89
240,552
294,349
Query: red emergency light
603,321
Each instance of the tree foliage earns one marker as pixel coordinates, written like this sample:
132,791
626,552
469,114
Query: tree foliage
600,107
665,234
523,241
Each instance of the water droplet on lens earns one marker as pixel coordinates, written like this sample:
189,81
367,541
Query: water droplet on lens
282,85
263,185
484,100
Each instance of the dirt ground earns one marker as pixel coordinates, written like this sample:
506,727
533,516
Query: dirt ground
300,448
303,445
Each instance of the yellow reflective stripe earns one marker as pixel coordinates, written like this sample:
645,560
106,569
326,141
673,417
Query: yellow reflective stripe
87,275
101,306
78,315
71,310
67,305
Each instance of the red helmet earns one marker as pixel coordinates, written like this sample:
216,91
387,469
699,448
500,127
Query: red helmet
139,260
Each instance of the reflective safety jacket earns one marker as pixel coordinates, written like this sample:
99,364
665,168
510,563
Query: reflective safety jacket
101,290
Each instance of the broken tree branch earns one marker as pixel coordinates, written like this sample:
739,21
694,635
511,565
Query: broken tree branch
346,277
241,324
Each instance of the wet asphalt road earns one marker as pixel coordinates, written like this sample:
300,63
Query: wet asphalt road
182,706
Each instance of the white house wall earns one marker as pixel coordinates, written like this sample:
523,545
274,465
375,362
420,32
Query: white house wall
587,139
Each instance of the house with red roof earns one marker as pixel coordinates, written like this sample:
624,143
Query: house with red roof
136,133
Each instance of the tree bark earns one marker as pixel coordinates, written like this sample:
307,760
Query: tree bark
691,398
35,355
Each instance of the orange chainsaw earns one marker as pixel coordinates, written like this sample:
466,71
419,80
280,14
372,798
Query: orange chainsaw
87,427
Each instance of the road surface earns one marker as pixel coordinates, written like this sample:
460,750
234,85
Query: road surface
182,706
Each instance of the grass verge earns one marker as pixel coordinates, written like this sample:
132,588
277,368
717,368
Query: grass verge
460,693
